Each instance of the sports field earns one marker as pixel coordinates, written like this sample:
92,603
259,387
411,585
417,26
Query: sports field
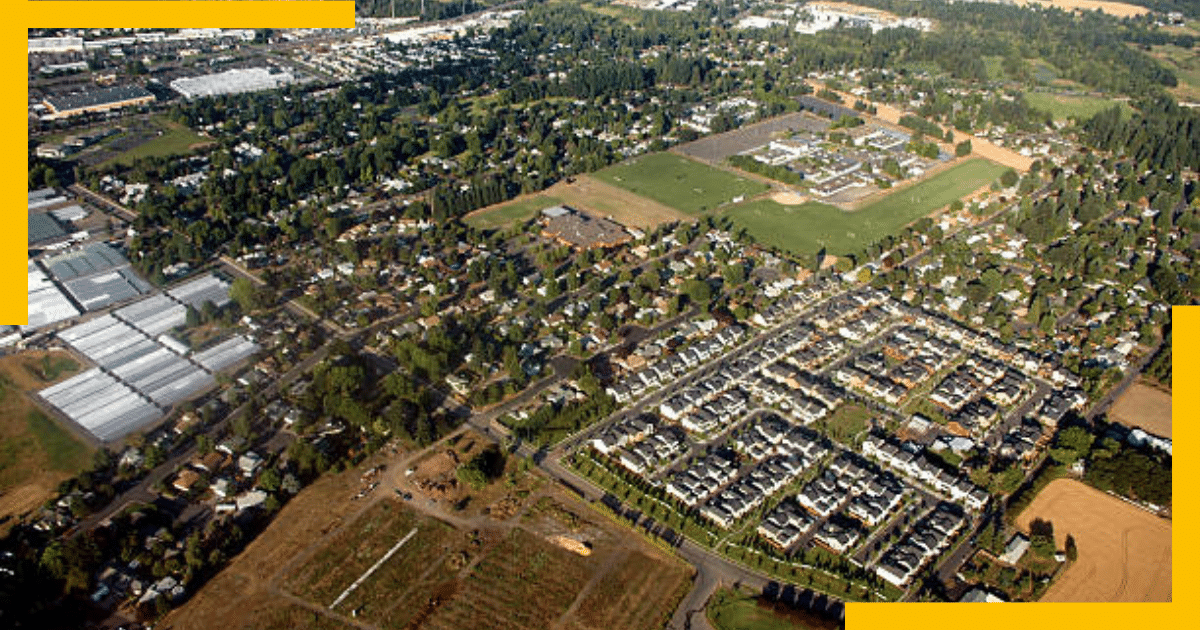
679,182
161,137
1124,551
512,213
806,228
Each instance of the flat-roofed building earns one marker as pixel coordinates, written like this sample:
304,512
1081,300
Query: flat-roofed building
96,101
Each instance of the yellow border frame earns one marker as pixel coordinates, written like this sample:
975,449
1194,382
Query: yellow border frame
340,14
112,14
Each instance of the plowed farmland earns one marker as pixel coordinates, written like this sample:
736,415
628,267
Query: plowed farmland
1124,552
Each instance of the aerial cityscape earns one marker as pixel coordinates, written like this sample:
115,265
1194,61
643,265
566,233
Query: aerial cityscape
591,314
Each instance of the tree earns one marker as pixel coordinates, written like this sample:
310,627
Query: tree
1009,178
1072,551
269,480
963,149
246,294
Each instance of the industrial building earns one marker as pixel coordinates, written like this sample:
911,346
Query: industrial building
44,230
95,101
196,292
140,371
234,81
47,304
226,353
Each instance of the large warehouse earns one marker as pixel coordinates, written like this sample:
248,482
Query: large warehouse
233,81
93,101
140,371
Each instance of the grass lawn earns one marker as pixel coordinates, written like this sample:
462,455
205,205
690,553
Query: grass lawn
175,139
734,610
509,214
806,228
1063,107
847,421
680,183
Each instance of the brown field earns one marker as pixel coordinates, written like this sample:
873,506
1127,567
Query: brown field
247,586
29,473
468,568
602,200
1118,9
1124,552
1144,406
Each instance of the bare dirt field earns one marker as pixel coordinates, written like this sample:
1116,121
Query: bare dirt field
1146,407
449,568
1119,9
788,198
602,200
1124,552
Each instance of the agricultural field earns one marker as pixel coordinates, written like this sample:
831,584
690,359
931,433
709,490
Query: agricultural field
806,228
680,183
508,214
35,452
1146,407
1124,551
1118,9
1063,106
494,564
348,555
637,594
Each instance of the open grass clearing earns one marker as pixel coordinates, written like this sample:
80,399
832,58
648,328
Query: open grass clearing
807,228
512,213
601,199
730,609
679,182
1064,106
1117,9
1185,64
36,453
846,421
